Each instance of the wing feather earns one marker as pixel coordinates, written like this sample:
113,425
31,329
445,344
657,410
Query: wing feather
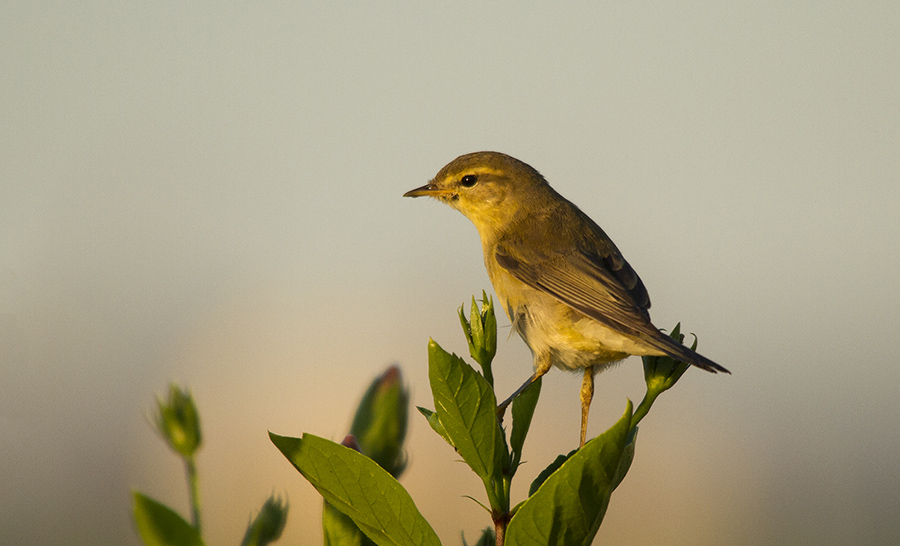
594,279
584,285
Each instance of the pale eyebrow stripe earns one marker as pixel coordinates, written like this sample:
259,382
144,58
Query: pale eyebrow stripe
487,170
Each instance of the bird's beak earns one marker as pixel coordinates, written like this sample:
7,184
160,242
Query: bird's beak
428,190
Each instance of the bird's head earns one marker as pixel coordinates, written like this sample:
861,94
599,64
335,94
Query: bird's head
489,188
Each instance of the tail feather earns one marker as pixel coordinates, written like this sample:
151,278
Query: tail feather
681,353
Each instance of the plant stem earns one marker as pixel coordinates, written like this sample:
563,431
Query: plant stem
500,522
498,498
496,503
644,407
193,491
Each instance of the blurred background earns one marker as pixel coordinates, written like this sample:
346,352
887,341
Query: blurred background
210,193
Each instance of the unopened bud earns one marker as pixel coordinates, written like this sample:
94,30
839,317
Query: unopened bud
178,422
379,426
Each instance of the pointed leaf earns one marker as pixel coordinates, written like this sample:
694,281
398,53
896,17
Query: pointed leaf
435,424
477,327
358,487
568,508
522,412
490,325
159,525
547,472
627,458
467,409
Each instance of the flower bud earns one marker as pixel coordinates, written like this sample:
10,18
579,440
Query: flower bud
661,372
481,334
178,422
379,426
350,441
268,525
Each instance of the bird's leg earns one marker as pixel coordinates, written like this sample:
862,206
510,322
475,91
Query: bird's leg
587,394
501,407
542,366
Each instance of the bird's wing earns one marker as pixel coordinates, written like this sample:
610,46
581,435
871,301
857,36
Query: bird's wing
596,280
586,284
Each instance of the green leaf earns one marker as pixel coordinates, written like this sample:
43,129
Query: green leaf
568,507
522,412
466,407
489,318
339,530
547,472
627,458
358,487
435,424
159,525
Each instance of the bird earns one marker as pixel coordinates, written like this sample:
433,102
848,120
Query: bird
564,285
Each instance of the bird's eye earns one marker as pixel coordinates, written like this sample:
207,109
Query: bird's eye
468,181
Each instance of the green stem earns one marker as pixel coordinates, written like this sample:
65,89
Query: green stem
495,502
499,506
644,407
193,491
488,373
507,484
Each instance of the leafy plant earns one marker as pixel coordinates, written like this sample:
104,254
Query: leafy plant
378,431
178,423
567,501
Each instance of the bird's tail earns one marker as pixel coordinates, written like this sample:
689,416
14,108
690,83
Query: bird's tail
681,353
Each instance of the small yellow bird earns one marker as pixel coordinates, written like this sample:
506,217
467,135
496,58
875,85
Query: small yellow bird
564,285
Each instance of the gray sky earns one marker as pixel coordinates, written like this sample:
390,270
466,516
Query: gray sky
209,192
